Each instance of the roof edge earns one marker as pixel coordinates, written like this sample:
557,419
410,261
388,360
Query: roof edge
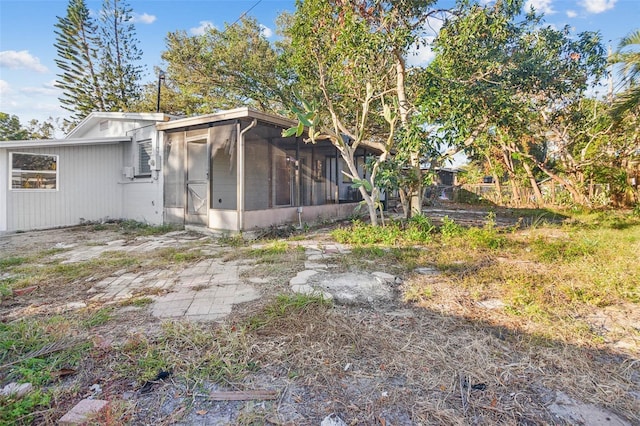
121,116
52,143
232,114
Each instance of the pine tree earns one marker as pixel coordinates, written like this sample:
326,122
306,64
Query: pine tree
76,45
120,74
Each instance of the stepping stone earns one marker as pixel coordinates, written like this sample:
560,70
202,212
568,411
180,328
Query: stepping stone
302,277
83,411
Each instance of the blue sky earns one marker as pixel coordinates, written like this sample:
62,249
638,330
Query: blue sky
28,70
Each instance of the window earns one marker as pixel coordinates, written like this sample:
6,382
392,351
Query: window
144,155
34,171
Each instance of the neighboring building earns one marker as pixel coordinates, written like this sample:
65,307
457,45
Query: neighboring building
230,170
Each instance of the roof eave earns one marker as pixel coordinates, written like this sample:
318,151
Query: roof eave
232,114
53,143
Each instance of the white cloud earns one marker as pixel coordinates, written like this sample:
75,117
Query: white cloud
200,30
21,60
598,6
572,13
145,18
420,53
5,88
540,6
47,89
266,31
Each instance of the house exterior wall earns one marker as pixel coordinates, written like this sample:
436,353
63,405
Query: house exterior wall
88,189
110,127
142,201
4,188
142,196
289,215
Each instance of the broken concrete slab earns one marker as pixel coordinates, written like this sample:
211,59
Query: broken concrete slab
302,277
83,411
16,390
356,288
575,412
491,304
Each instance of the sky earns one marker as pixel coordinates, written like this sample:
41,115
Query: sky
27,56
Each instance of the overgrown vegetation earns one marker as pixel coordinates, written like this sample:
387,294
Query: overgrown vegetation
546,279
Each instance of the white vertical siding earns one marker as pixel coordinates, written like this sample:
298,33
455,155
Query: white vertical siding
88,189
4,185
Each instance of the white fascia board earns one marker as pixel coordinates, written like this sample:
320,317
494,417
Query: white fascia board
52,143
232,114
95,117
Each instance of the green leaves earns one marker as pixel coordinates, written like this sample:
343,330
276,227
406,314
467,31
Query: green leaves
357,183
307,117
90,82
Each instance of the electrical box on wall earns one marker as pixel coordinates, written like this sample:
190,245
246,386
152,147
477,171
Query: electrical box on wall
154,162
127,172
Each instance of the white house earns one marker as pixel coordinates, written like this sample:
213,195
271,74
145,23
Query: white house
231,170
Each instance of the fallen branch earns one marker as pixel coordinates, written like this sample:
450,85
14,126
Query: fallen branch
45,350
242,395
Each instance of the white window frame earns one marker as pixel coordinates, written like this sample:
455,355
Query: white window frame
143,170
55,172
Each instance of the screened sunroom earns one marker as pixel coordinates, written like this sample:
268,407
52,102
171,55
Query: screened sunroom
234,171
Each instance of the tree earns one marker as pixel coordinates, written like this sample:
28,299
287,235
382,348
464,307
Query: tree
76,46
345,70
97,62
497,84
221,69
10,128
119,72
629,59
45,129
350,56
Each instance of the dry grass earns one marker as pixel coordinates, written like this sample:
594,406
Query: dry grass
435,356
429,368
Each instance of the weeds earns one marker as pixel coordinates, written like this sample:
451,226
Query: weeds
22,410
450,228
12,261
418,229
129,227
286,305
137,302
99,317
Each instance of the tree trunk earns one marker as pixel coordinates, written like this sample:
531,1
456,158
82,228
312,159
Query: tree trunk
576,195
534,184
415,197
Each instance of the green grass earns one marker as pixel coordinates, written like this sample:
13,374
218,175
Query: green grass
418,229
9,262
545,273
129,227
277,252
194,352
99,317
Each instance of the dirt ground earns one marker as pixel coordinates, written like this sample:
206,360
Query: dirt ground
456,363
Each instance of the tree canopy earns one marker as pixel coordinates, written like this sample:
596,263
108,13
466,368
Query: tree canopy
97,59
